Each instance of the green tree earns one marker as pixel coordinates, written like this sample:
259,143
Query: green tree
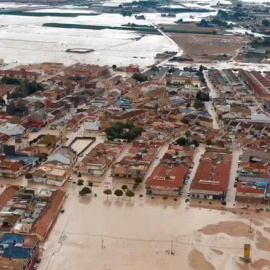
80,182
138,180
139,77
124,187
164,198
129,194
119,193
107,192
154,68
198,104
182,141
85,191
90,184
265,23
10,81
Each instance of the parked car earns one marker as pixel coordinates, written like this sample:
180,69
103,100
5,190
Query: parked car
81,155
181,193
188,194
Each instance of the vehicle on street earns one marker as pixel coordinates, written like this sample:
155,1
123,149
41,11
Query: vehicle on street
188,194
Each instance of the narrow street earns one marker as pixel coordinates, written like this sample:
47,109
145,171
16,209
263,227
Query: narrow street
210,109
213,91
209,105
196,160
230,197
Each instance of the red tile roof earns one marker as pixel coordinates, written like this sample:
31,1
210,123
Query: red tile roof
49,215
213,172
7,195
243,188
165,176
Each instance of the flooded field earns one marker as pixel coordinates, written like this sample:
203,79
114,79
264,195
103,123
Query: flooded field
96,233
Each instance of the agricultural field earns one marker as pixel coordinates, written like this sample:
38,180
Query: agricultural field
204,47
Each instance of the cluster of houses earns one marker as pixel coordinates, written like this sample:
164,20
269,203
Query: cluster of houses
26,218
164,106
169,175
253,180
237,108
100,158
135,163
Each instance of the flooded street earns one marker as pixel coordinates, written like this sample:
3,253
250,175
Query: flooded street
230,197
94,231
196,160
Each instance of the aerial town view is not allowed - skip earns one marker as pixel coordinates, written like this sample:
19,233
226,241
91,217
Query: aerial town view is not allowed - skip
134,135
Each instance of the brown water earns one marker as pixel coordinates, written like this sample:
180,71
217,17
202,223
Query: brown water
109,234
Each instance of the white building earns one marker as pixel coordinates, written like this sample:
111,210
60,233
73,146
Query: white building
91,124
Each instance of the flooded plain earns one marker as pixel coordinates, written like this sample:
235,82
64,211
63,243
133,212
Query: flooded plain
99,233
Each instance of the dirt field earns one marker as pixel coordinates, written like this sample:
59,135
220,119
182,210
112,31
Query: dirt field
204,47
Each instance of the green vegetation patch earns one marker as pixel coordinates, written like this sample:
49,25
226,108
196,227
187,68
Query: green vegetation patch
144,28
44,14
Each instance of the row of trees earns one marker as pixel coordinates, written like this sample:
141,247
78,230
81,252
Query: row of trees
10,81
119,193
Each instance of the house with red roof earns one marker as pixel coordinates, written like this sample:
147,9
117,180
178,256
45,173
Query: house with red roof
250,192
212,176
165,180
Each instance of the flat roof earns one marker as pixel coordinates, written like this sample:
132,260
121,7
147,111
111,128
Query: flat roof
14,264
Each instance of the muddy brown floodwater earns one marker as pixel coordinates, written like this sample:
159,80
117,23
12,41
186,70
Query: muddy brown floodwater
110,234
